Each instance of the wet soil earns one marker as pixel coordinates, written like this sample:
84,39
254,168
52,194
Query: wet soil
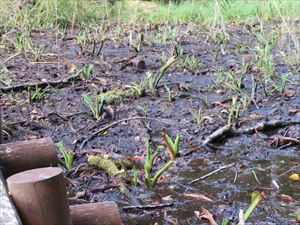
63,116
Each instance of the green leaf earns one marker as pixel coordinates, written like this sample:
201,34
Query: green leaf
170,142
256,197
176,145
90,103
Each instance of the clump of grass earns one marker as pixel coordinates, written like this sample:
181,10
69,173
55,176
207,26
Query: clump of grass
189,63
199,116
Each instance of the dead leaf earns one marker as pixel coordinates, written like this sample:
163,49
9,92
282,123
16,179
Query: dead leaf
206,215
286,198
200,197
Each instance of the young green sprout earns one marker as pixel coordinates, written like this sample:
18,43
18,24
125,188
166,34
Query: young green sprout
68,156
38,94
86,72
95,105
173,147
150,158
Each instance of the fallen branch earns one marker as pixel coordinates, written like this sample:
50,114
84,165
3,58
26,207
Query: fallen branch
267,125
213,172
261,127
44,84
115,123
147,207
217,134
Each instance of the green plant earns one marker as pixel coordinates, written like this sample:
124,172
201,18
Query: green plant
197,113
234,110
233,82
189,63
136,44
169,92
163,58
96,104
150,180
86,72
134,180
284,79
37,53
139,88
68,156
39,93
245,67
172,146
256,197
264,59
245,101
151,81
163,70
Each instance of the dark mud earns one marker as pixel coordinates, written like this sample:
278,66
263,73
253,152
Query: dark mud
63,116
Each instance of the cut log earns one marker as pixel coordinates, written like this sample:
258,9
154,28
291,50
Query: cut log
96,214
25,155
40,196
8,212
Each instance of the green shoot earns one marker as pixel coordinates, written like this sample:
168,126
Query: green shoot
139,88
163,70
38,94
149,180
134,180
86,72
68,156
199,116
173,147
255,200
189,63
95,105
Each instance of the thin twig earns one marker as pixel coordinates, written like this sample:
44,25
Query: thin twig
147,207
255,176
115,123
213,172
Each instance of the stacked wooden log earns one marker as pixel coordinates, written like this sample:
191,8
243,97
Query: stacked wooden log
37,191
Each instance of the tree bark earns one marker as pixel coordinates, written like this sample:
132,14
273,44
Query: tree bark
40,196
8,212
24,155
96,214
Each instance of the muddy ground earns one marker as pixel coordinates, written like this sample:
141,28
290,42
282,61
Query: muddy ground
63,116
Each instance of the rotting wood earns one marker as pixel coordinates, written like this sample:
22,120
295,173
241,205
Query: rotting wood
24,155
8,212
42,191
96,214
